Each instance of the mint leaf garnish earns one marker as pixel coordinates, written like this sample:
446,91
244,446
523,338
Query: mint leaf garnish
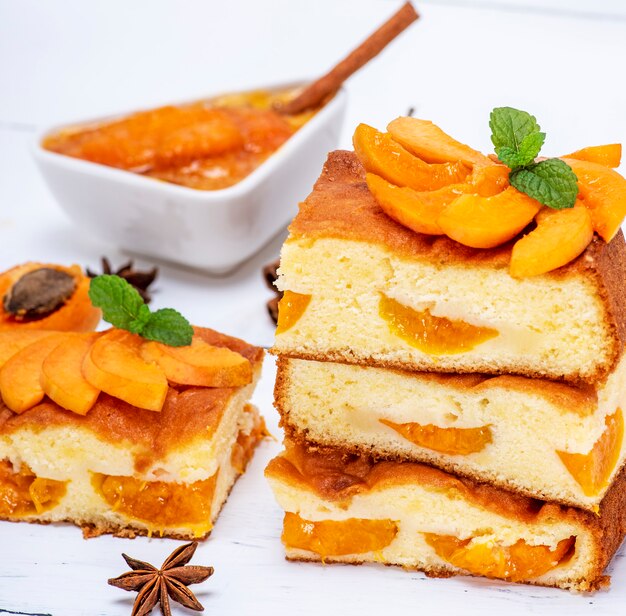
168,326
123,307
518,139
551,182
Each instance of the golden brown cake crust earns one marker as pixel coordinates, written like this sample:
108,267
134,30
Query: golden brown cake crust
188,412
335,475
341,207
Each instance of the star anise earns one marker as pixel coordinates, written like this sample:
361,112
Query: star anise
270,274
160,585
141,280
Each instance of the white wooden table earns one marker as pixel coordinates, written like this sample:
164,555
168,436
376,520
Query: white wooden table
62,61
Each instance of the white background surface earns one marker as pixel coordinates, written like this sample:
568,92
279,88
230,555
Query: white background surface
63,61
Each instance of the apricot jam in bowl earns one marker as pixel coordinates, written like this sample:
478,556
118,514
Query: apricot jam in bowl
204,184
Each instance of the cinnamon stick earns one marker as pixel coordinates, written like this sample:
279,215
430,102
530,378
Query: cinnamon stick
313,94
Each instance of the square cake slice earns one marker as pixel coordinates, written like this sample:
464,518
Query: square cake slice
361,288
116,467
542,438
345,508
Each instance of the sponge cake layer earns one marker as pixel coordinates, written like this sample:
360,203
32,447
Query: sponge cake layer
507,430
347,255
418,508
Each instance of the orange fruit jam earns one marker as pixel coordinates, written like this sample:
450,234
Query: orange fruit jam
337,538
430,334
290,308
514,563
160,504
453,441
593,470
23,493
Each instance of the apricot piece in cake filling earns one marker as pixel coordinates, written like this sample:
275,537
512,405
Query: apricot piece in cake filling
431,334
160,504
22,493
452,441
594,469
290,308
514,563
609,155
337,538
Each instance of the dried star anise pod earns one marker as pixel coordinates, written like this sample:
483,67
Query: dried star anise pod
270,273
157,586
141,280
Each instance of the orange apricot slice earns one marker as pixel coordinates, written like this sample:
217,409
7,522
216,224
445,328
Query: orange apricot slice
560,236
114,365
452,441
20,377
609,155
199,364
603,192
416,210
62,378
486,222
430,143
290,308
381,155
14,340
489,181
162,504
337,538
431,334
593,470
514,563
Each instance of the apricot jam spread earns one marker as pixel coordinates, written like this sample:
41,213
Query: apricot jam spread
452,441
290,308
337,538
431,334
160,504
593,470
22,493
207,145
514,563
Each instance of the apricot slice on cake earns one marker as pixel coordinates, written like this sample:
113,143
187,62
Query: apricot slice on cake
338,537
489,181
381,155
20,377
452,441
418,211
199,364
430,143
609,155
115,366
516,562
486,222
62,377
560,236
14,340
593,470
603,192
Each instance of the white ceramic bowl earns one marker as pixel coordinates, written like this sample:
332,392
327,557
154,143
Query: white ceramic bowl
212,230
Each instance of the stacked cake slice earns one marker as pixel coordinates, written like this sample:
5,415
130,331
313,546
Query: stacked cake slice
440,413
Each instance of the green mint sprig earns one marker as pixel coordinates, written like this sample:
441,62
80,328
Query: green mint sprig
123,307
518,139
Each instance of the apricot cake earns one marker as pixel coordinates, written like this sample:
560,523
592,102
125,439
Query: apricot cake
361,288
345,508
546,439
121,435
